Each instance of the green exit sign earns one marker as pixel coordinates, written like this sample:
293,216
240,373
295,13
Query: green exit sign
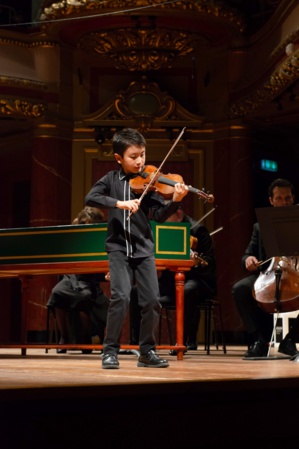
268,165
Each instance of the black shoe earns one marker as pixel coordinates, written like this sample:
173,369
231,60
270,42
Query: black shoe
288,347
151,360
109,361
175,352
86,351
192,346
61,351
258,349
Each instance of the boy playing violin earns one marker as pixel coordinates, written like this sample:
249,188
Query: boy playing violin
130,247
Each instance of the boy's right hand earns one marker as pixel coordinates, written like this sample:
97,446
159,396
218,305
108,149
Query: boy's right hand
132,205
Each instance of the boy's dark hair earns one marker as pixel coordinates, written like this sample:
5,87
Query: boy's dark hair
280,182
126,138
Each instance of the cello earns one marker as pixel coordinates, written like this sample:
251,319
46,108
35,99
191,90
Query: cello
277,288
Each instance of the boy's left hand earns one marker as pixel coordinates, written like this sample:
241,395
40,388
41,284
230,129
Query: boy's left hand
180,190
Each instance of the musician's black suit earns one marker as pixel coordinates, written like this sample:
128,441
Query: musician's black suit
258,324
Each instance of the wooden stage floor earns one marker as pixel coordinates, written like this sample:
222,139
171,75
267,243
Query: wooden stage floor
51,401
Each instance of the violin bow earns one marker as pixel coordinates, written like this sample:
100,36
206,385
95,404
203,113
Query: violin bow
160,167
203,217
216,230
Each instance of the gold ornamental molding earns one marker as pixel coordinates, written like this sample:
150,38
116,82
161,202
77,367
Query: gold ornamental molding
142,35
282,77
21,82
214,9
21,108
140,49
143,105
27,44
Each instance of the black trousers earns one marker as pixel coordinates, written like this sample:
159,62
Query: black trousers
258,324
123,270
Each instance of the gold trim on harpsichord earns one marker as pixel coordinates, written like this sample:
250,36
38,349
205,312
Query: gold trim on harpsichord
53,256
57,231
171,240
19,107
53,243
71,243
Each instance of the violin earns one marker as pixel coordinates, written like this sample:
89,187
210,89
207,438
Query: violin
199,260
162,184
277,288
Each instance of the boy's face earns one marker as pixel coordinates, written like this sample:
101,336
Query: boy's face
133,159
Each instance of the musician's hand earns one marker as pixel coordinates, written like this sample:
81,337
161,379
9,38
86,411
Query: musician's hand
180,190
193,254
251,263
198,260
131,205
107,276
194,257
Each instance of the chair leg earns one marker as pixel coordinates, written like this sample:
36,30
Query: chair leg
221,328
215,330
53,331
218,305
209,309
48,328
208,328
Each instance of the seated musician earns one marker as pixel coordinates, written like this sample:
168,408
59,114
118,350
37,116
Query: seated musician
259,324
82,294
200,283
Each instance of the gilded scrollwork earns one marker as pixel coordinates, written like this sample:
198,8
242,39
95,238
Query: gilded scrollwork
17,108
143,105
21,82
144,102
281,78
140,49
145,45
216,9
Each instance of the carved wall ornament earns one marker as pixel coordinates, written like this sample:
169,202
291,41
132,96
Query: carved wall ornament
281,78
215,9
17,108
142,35
143,105
144,102
140,49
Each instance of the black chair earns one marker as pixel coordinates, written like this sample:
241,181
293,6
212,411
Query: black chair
212,316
